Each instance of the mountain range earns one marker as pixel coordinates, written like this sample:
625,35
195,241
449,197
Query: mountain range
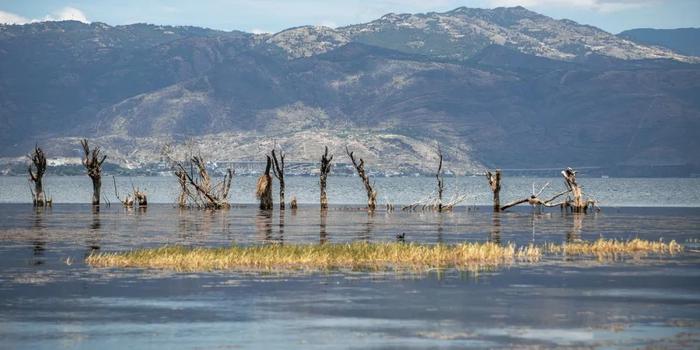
504,87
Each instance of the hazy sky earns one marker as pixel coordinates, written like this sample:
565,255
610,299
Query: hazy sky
274,15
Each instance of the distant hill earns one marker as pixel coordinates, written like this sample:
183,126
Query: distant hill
503,88
685,41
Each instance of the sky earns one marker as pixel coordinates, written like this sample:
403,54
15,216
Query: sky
274,15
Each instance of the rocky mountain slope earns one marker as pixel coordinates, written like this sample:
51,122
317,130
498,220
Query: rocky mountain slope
685,41
496,88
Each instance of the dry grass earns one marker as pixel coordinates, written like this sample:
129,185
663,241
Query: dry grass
363,255
605,248
263,186
467,256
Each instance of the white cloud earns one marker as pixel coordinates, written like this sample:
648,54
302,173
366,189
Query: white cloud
67,14
64,14
11,18
327,23
595,5
259,31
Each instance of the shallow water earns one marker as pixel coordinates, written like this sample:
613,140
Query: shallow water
610,192
50,299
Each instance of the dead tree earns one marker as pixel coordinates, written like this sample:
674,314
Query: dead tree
323,176
535,201
263,190
128,201
184,190
440,179
278,170
576,202
360,167
38,159
93,163
495,184
141,198
203,195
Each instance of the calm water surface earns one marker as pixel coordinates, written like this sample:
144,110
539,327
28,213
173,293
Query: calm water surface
638,192
50,299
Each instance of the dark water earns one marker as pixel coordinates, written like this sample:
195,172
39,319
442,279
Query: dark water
50,299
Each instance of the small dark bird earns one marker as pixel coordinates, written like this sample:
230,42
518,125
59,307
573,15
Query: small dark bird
401,237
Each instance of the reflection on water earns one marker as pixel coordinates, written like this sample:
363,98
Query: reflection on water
564,304
495,235
323,235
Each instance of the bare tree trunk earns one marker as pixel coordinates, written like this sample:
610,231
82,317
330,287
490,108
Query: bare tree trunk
495,184
278,170
93,163
440,179
264,187
38,159
325,169
182,180
360,167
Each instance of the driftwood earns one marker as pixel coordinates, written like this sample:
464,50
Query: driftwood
263,190
435,201
37,168
278,170
196,187
432,203
93,163
495,184
323,176
534,199
360,167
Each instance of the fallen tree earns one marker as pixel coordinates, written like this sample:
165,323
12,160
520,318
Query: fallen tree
535,201
196,186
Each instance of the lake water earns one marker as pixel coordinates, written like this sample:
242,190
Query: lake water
50,299
638,192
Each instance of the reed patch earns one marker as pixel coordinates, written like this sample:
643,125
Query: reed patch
365,255
358,255
607,248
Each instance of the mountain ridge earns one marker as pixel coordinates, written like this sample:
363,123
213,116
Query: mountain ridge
489,103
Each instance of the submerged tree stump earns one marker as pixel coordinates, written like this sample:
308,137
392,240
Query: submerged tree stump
495,184
576,203
360,168
36,175
263,190
323,176
93,163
